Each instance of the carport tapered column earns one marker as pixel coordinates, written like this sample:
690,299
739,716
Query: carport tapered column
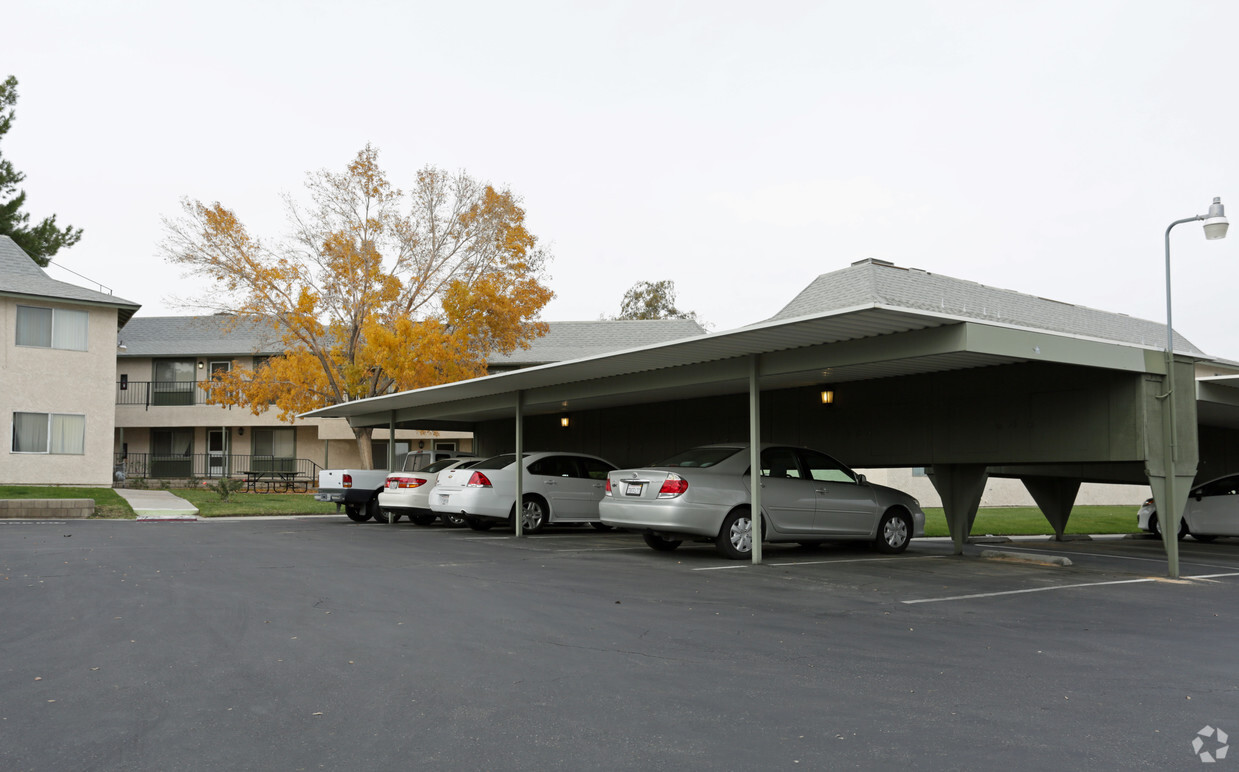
1055,496
960,486
755,455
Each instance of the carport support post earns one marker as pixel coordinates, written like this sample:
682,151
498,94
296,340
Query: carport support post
1055,496
518,509
960,486
755,456
391,450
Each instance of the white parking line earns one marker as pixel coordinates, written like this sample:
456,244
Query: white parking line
1059,587
820,562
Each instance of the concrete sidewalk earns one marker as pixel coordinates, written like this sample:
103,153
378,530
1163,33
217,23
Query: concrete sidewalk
158,505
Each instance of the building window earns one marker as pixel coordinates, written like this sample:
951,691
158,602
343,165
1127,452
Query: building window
52,328
378,449
174,382
52,433
172,452
274,450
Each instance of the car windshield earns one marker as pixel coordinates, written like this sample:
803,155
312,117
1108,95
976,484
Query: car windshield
440,465
498,462
700,458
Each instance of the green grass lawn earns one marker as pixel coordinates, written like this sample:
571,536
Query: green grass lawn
1028,521
107,502
242,504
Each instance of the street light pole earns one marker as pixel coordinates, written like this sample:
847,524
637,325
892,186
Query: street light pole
1215,225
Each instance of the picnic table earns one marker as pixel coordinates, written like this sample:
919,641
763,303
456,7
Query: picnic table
273,479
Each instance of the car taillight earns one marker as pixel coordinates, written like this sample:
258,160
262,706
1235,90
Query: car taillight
477,480
405,482
348,480
673,486
608,490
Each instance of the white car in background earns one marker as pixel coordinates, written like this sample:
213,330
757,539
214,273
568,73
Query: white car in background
1212,510
407,494
556,487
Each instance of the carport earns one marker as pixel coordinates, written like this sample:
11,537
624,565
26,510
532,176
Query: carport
968,381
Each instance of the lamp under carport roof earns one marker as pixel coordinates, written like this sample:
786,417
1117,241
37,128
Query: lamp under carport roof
1215,225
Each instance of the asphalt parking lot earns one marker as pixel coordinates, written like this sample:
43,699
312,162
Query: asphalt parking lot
317,643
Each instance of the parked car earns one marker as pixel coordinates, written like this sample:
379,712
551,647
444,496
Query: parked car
807,497
1212,510
408,493
557,488
357,490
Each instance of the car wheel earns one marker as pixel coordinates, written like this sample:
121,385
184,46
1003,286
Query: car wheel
356,515
422,519
376,512
894,533
601,526
735,538
533,517
657,541
479,524
454,521
1155,525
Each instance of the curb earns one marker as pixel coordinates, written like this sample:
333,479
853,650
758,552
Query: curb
1022,557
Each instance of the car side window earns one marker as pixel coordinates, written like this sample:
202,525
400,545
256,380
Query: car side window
822,467
594,469
779,463
1227,486
554,466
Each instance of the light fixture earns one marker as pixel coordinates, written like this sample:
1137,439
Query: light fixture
828,397
240,431
1215,222
563,421
201,365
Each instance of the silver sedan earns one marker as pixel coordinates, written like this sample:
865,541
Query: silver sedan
807,497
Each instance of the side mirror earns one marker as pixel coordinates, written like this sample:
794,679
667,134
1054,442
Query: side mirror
860,478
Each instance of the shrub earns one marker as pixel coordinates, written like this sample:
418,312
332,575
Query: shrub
225,487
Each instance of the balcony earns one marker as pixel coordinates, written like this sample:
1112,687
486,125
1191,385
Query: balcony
183,467
161,393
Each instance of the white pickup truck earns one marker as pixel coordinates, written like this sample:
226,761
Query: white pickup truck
357,490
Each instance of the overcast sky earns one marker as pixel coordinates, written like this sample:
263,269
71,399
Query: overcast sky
738,149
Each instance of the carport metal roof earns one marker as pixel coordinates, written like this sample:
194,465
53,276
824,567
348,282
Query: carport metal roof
849,344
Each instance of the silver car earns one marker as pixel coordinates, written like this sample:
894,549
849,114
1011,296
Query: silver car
807,497
1212,510
408,493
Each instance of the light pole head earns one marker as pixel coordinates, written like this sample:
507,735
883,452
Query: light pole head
1215,221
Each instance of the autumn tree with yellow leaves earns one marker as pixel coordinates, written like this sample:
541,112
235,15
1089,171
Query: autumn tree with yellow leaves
375,289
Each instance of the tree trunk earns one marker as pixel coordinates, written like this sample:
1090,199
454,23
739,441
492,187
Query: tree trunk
364,449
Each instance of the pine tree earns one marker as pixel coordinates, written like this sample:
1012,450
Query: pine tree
44,239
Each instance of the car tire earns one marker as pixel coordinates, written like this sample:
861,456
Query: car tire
1155,525
385,516
533,514
601,526
421,519
894,533
375,511
660,543
356,515
454,521
478,523
735,538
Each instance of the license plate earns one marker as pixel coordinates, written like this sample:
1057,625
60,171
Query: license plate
392,484
443,498
633,489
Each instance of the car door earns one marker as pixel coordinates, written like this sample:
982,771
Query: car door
1213,508
788,498
593,482
557,479
845,505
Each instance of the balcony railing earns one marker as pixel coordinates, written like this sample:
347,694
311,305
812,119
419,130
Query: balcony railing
161,393
182,467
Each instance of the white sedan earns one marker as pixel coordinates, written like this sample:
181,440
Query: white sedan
408,493
1212,510
557,488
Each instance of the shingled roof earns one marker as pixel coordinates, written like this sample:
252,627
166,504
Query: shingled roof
216,335
223,335
870,282
21,277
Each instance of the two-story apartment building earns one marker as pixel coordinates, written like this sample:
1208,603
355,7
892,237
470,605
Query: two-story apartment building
57,365
165,428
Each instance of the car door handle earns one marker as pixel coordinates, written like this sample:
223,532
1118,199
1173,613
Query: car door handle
548,482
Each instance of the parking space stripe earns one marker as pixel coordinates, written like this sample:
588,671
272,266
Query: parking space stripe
1060,587
747,564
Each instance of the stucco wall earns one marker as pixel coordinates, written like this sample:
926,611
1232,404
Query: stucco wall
41,380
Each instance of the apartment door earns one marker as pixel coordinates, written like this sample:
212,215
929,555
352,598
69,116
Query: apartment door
217,452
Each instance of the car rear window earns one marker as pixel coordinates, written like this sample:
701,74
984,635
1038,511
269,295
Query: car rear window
700,458
439,466
497,462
